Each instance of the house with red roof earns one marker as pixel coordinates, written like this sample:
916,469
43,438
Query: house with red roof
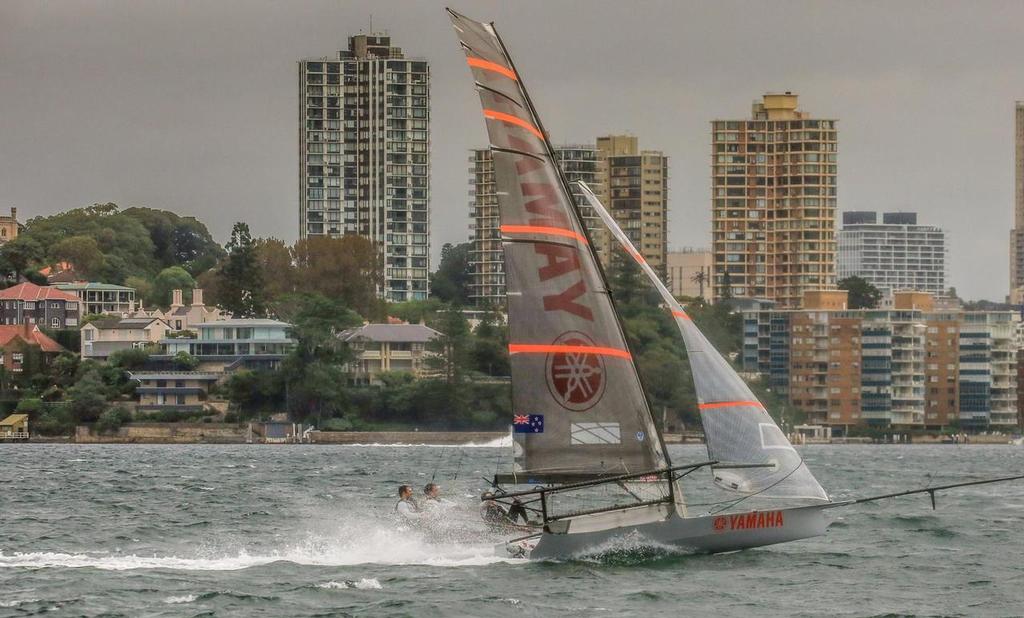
28,303
20,342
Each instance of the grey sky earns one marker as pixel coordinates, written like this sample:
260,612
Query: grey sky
192,105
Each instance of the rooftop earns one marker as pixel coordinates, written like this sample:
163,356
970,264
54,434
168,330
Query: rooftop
93,285
244,323
415,333
29,333
31,291
112,323
174,375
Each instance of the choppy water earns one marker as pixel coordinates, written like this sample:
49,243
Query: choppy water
306,531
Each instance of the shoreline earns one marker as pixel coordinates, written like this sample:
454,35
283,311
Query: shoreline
225,433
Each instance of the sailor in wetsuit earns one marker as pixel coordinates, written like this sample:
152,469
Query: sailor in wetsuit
431,497
405,506
491,511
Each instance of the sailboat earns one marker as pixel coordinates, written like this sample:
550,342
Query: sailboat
583,426
586,445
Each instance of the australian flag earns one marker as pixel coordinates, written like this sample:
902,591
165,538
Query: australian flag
528,423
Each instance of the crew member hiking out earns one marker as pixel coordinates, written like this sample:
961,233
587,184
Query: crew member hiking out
431,497
405,506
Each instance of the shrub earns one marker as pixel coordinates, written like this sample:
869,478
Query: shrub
54,422
112,419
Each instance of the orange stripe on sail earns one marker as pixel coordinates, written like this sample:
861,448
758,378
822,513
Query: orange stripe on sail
534,348
510,119
729,404
636,256
540,229
487,65
681,314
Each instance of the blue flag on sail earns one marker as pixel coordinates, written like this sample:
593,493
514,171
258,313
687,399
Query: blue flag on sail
528,423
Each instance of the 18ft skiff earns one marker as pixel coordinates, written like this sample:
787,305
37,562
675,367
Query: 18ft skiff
585,442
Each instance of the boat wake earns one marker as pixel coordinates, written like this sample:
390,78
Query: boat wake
346,543
502,442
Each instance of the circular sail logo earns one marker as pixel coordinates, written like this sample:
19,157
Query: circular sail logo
576,378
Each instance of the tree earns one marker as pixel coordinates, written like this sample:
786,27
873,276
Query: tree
314,371
143,288
451,350
240,284
345,269
88,397
22,252
490,347
254,392
863,295
178,241
129,358
275,261
170,279
81,251
450,282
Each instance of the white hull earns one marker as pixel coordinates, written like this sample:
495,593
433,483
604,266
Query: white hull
706,534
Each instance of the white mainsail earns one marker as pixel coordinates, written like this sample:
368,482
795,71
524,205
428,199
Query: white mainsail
737,427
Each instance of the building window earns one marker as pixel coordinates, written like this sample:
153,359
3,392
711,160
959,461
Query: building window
55,322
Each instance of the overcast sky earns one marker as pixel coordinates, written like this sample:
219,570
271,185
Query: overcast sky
192,106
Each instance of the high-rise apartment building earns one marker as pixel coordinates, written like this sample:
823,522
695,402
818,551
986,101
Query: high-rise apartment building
773,202
487,281
633,186
1017,232
896,254
914,365
486,256
364,156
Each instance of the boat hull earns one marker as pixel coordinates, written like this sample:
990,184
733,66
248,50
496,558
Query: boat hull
706,534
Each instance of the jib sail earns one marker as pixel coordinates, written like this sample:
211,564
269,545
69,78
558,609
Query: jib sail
579,409
737,427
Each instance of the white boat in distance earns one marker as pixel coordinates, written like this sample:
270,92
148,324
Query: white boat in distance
585,441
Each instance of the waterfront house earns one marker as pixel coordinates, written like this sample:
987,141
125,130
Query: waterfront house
225,345
20,344
14,427
28,303
388,347
180,316
104,336
101,297
185,391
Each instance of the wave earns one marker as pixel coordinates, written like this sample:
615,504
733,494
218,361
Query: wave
445,542
362,584
188,598
502,442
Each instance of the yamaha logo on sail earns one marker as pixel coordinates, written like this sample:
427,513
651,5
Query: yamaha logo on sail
575,379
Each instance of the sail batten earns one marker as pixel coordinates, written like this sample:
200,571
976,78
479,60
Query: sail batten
737,426
577,401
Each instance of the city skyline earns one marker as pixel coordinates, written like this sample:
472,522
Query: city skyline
159,107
